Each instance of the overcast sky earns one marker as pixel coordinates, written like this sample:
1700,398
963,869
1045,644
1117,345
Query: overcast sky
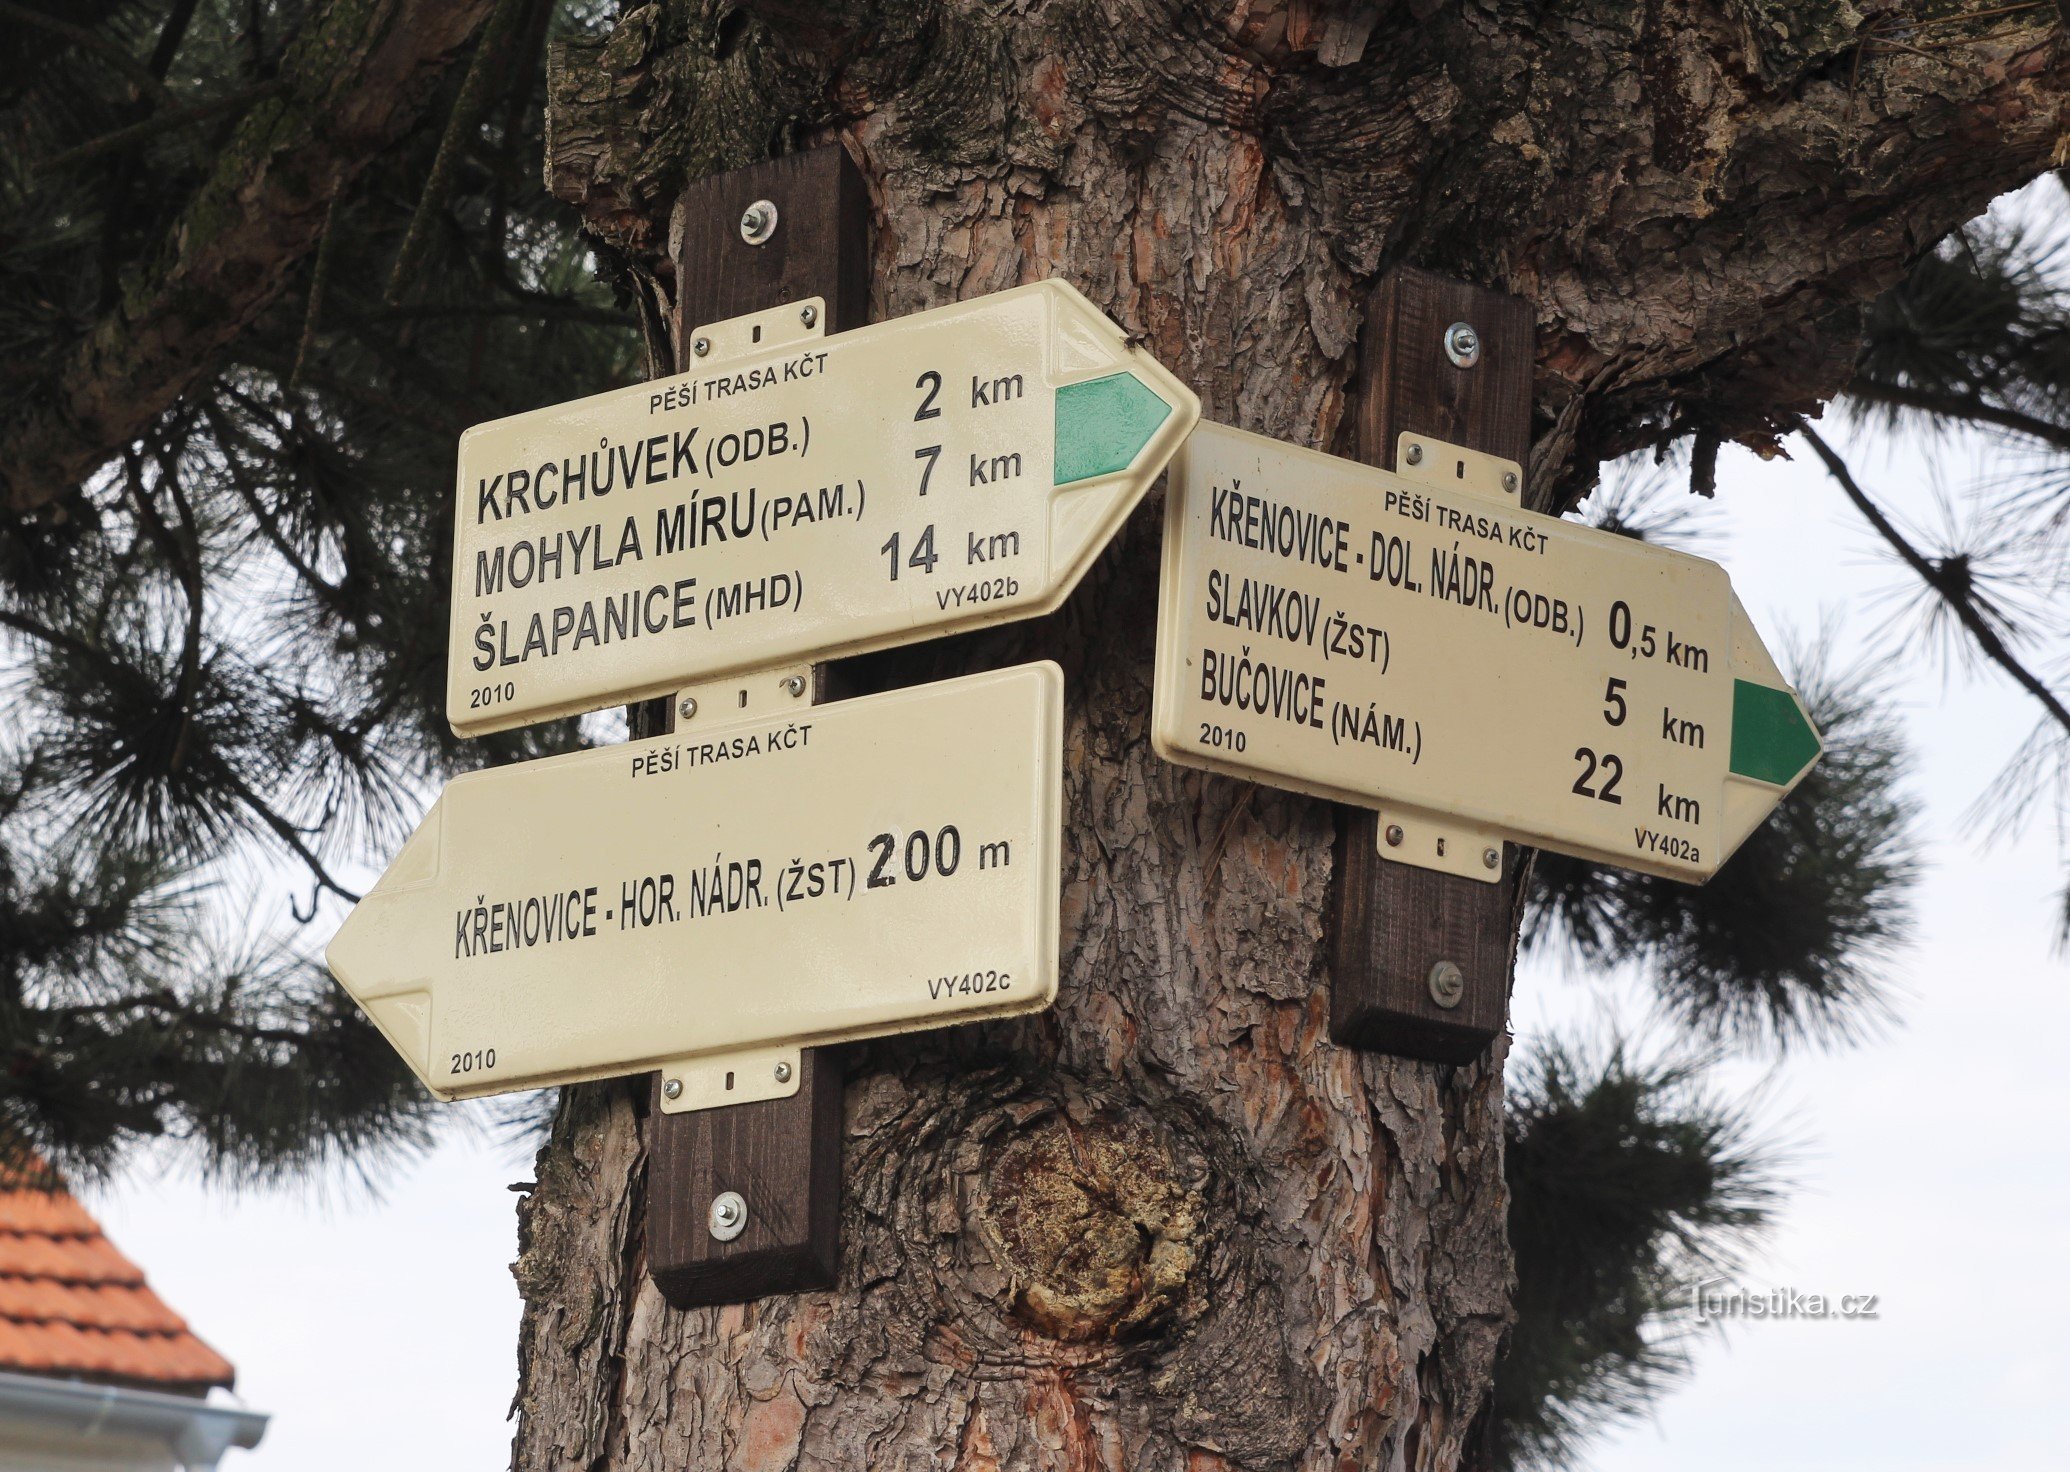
1929,1162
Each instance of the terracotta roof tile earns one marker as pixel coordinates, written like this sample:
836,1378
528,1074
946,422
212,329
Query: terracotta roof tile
114,1306
50,1213
65,1259
73,1306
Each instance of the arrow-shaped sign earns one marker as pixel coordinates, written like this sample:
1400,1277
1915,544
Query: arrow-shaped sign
796,497
1420,644
705,904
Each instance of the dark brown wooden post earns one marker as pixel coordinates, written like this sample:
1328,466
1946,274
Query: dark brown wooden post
1395,923
782,1156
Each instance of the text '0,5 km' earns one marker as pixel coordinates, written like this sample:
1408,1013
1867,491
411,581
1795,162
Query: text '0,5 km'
871,866
800,499
1399,643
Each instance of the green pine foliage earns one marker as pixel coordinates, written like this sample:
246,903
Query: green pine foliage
224,658
129,1022
1629,1184
1979,328
1976,343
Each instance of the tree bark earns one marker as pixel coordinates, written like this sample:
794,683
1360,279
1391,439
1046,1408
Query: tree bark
356,80
1169,1225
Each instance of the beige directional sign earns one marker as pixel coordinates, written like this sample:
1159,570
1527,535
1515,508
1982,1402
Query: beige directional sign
1419,644
794,496
706,904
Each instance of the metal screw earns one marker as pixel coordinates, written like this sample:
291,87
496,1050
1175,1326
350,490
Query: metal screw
1492,857
1415,454
672,1089
1509,481
702,346
794,685
758,222
783,1073
688,708
728,1217
808,315
1447,984
1394,835
1463,344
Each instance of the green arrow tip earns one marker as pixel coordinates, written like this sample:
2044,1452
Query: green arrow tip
1771,739
1101,425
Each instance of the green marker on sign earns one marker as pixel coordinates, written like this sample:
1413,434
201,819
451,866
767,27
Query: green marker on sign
1771,739
1103,424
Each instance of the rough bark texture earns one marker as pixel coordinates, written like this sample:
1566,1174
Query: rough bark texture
1169,1225
357,79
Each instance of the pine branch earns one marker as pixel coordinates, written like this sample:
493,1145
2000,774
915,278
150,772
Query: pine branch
1629,1180
167,1007
171,35
265,1068
140,75
530,305
265,1071
54,639
360,394
262,515
461,127
319,284
356,80
1960,602
287,834
186,565
157,125
1959,406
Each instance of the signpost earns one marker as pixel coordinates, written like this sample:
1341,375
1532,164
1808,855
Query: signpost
718,901
1420,644
704,903
796,497
733,889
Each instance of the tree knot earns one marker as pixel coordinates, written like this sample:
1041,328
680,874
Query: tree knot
1085,1219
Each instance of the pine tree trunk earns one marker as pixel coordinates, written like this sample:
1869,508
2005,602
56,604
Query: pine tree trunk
1169,1224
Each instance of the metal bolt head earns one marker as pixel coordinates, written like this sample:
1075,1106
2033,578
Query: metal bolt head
1394,835
808,315
1447,984
1509,481
794,685
1415,454
701,346
1462,344
688,707
1491,858
758,222
672,1089
728,1217
783,1073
